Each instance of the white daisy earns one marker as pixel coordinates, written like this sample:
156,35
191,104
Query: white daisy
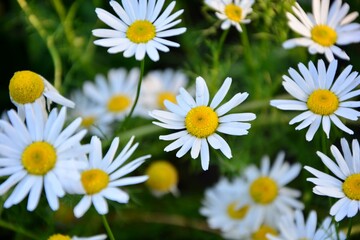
93,118
159,86
344,185
267,191
250,233
226,208
67,237
139,28
297,228
103,176
29,87
40,154
322,97
324,28
231,12
199,122
114,96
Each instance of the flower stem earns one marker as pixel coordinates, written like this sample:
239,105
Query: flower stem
107,227
246,46
17,229
349,229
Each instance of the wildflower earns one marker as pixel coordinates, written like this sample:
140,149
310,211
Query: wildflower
259,233
67,237
297,228
267,191
39,155
344,185
29,87
324,28
231,12
113,96
321,97
103,175
199,122
138,28
163,178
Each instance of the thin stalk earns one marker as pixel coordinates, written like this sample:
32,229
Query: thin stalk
107,227
349,229
17,229
246,46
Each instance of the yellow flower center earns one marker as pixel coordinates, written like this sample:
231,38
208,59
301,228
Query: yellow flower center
39,158
162,176
323,35
351,187
323,102
141,31
261,233
118,103
201,121
26,87
166,96
94,180
59,237
237,213
233,12
88,121
263,190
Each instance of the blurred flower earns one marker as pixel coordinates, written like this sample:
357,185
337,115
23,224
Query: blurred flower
266,189
297,228
198,122
29,87
114,96
321,97
226,208
67,237
345,185
259,233
159,86
163,178
323,28
93,118
39,154
101,179
231,12
138,28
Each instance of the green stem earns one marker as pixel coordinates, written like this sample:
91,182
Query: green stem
107,227
246,46
17,229
349,229
142,66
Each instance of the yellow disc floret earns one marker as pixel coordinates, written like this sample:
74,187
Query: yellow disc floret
323,102
233,12
26,87
261,233
263,190
88,121
351,187
237,213
94,180
141,31
118,103
201,121
39,158
323,35
165,96
163,176
59,237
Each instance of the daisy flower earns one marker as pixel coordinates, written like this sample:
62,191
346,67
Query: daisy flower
163,178
225,207
321,97
231,12
139,28
103,176
198,122
159,86
267,191
39,154
113,96
29,87
324,28
258,233
93,118
297,228
67,237
344,185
